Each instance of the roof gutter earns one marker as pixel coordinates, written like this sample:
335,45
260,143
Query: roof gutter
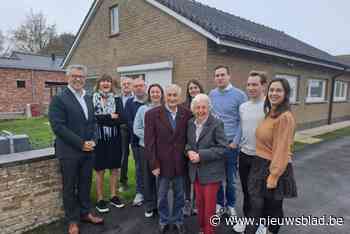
330,109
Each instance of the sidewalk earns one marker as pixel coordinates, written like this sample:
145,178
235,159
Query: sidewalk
308,136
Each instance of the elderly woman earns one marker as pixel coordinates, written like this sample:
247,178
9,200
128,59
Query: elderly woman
205,151
108,148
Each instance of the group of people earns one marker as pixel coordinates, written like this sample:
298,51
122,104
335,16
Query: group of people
193,148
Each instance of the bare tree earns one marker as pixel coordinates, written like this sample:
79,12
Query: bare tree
59,45
2,42
34,34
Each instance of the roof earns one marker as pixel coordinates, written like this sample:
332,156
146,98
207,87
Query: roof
344,58
230,30
20,60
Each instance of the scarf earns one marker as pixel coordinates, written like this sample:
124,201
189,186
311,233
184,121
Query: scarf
104,104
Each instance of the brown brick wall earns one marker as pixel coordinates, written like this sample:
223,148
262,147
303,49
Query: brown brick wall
13,99
30,195
146,36
241,63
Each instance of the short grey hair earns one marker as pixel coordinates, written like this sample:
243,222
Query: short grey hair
200,98
82,68
173,87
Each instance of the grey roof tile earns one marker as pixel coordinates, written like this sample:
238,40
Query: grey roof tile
31,61
236,29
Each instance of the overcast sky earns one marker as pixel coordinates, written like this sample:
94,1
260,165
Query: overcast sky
324,24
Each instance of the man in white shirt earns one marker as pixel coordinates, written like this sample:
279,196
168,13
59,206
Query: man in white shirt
251,113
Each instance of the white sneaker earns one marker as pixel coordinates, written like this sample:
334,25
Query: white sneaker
239,227
148,214
220,210
261,230
231,211
138,200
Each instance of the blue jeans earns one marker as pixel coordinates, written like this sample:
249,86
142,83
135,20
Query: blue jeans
178,200
230,189
137,153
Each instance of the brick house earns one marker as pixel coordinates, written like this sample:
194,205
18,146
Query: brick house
173,41
29,79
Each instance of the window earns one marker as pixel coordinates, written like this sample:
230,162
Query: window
293,83
21,83
114,20
340,91
316,90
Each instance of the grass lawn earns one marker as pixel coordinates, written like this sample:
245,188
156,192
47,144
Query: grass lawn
336,134
38,130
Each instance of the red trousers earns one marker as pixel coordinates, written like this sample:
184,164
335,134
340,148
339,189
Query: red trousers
206,204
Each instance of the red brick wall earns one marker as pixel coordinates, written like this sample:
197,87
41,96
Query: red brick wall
13,99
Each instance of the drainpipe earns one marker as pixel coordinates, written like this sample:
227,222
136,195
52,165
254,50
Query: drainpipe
330,109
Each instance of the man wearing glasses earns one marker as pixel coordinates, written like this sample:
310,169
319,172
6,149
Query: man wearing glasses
71,117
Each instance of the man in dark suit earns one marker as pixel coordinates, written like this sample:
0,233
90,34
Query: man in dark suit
126,94
71,117
165,139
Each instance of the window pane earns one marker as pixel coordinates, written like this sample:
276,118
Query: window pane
316,88
337,89
114,20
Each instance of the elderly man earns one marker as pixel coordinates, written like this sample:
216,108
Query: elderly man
71,117
165,139
205,148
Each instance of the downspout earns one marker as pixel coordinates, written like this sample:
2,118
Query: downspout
330,109
33,86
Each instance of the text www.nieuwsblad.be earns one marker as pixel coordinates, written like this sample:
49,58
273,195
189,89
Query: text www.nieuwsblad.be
325,220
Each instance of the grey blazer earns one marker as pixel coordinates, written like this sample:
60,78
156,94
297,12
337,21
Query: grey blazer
210,146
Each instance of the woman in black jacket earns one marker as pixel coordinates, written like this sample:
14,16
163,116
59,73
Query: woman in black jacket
108,148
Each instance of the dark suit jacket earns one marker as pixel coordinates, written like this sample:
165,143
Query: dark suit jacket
210,146
69,124
164,147
131,108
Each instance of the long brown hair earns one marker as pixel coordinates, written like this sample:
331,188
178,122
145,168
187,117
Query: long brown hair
282,107
188,96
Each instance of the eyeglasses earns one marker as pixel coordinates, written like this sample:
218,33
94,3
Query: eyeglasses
78,76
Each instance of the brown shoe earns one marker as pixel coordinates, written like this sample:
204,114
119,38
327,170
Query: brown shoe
90,218
73,228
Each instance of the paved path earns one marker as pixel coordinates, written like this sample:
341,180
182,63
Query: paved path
323,177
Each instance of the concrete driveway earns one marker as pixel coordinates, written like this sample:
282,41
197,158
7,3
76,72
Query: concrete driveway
323,177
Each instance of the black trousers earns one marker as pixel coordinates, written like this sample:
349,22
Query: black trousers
264,208
150,190
125,141
245,164
77,176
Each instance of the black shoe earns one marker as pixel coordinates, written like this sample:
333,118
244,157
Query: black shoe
115,201
101,206
163,228
180,228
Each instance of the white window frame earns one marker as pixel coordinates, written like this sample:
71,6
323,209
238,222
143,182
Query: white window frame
293,81
114,19
343,91
323,95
